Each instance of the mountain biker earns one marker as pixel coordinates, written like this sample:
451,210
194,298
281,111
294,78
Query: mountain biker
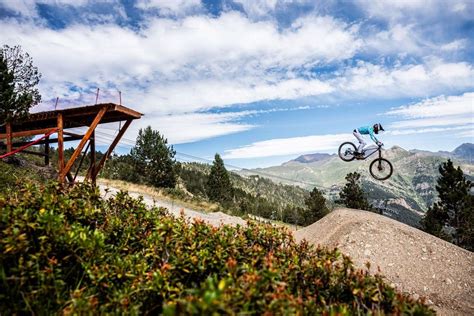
366,130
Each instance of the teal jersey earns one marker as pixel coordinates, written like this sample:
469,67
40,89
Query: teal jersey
368,130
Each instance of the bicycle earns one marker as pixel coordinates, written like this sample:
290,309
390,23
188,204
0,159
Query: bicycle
380,168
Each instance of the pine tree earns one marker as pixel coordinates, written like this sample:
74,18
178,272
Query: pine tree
18,78
315,207
219,187
153,159
352,195
452,216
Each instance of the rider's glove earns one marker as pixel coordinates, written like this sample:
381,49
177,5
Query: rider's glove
379,144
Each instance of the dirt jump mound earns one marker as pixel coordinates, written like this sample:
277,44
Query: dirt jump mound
410,259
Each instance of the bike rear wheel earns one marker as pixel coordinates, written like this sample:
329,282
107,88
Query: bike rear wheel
347,151
381,169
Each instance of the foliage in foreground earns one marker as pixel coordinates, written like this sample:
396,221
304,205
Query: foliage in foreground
69,251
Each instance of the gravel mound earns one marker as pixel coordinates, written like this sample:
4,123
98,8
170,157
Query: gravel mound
410,259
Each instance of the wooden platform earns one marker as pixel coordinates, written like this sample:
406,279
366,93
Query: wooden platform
59,121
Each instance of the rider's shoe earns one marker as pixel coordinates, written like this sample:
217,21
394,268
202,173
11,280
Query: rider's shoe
358,155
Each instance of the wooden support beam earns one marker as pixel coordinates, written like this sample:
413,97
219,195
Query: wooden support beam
9,137
43,142
90,173
110,150
82,159
86,137
26,133
60,147
72,134
46,151
69,177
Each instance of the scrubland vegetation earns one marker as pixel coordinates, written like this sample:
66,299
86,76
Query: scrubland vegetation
66,250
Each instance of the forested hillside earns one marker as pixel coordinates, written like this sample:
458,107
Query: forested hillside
405,196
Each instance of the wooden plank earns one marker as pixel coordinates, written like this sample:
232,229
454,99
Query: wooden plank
128,111
86,137
9,137
60,147
110,150
27,133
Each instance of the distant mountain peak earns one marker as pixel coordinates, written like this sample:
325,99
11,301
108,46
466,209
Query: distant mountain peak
397,148
465,151
312,158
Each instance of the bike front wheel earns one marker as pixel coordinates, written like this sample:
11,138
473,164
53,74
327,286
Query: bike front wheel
381,169
347,151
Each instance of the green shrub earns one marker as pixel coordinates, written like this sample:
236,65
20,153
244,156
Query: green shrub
69,251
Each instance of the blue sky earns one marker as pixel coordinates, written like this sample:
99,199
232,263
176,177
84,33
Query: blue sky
259,82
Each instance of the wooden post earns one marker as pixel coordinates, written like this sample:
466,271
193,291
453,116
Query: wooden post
9,137
46,151
86,137
60,147
111,148
93,158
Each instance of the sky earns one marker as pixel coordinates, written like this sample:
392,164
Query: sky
259,82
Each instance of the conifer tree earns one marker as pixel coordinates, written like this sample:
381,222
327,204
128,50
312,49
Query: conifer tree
452,217
315,207
219,187
18,80
153,159
352,195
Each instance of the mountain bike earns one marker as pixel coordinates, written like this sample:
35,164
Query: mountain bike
380,168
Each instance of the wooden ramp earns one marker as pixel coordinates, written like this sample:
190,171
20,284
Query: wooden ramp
57,122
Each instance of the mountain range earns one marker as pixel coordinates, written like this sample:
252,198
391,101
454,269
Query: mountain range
405,196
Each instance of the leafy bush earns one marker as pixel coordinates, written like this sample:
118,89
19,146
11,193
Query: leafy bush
69,251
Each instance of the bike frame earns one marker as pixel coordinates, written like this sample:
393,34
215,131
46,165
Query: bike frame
378,149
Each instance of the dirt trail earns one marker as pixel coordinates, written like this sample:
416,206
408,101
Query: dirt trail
215,218
413,261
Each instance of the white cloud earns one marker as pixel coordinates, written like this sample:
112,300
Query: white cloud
454,45
192,127
170,7
466,130
194,63
441,106
440,114
287,146
415,27
467,134
420,10
434,121
413,80
258,8
27,8
396,39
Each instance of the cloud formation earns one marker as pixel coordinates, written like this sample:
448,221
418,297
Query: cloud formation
435,114
287,146
176,62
